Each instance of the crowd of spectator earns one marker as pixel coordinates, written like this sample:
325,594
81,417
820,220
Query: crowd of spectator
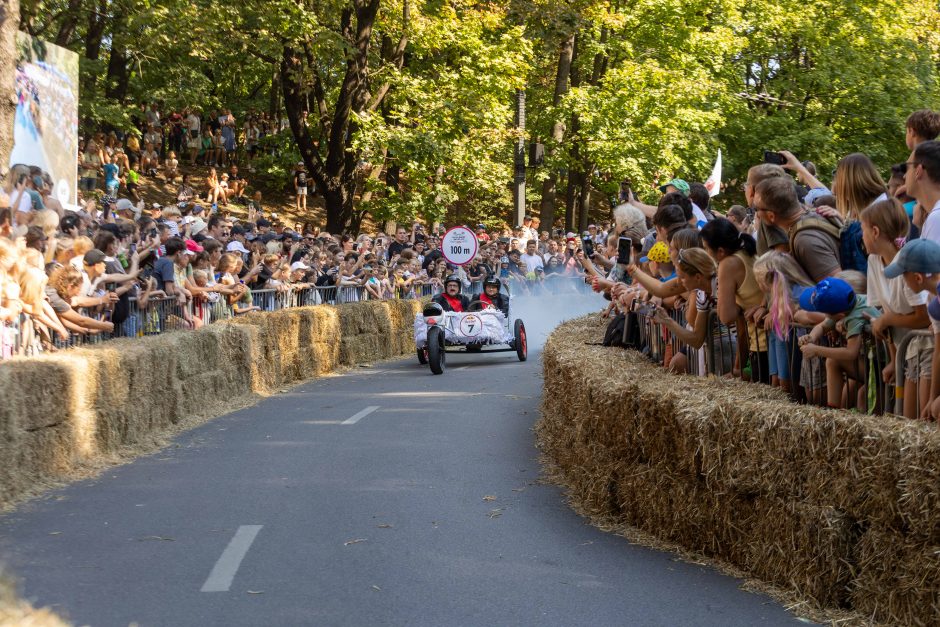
791,286
810,287
117,267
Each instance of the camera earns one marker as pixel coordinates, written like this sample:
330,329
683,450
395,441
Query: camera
774,157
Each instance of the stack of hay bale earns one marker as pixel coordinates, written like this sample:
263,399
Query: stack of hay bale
74,410
842,508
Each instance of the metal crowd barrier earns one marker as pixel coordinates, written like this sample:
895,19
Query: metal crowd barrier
724,350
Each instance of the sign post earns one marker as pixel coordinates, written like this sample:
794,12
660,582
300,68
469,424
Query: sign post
459,246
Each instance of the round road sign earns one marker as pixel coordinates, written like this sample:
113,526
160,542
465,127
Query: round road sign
459,245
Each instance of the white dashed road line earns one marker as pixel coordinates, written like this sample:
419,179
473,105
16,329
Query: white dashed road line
356,418
223,573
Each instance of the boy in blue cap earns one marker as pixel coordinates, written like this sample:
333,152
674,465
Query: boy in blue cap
847,314
919,262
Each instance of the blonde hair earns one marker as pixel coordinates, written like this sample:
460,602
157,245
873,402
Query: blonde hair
776,273
82,245
857,185
697,261
856,279
65,278
48,221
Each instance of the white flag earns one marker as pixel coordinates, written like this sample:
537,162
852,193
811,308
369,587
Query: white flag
713,184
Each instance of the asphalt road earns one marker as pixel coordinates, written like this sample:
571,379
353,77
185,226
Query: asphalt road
425,510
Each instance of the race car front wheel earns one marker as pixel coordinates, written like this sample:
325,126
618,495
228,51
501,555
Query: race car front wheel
436,350
519,340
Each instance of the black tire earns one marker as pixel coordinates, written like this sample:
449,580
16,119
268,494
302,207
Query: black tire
519,342
474,348
436,350
422,356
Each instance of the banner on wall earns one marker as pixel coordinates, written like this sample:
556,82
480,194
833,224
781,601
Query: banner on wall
45,133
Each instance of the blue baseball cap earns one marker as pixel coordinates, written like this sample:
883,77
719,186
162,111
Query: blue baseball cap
933,309
919,255
830,296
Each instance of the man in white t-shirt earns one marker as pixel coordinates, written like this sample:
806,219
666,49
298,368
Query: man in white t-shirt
531,256
922,180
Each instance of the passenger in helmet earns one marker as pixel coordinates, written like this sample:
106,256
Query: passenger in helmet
492,297
452,299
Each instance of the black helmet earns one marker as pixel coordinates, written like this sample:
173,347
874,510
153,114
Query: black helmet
452,278
491,280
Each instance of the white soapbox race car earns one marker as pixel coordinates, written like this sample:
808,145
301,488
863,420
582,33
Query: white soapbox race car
481,329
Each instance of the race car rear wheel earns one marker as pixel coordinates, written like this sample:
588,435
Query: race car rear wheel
519,340
422,356
436,349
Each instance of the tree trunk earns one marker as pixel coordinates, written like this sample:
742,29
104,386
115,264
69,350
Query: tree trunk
571,197
9,23
565,57
118,75
584,198
96,25
69,24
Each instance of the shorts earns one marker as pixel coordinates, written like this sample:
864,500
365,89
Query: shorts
194,142
918,363
813,373
302,191
112,188
132,187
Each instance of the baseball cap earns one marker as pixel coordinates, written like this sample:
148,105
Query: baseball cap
830,296
298,265
933,309
236,247
679,184
919,255
94,256
192,247
124,204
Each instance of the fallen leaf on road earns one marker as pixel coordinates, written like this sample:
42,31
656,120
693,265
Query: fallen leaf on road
54,533
385,526
376,588
489,497
255,591
356,541
519,489
157,538
495,513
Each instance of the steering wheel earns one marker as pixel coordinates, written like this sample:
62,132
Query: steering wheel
477,305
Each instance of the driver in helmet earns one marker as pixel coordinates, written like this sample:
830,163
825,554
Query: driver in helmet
492,297
451,299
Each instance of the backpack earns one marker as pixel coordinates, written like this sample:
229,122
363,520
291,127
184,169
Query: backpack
301,179
848,253
852,249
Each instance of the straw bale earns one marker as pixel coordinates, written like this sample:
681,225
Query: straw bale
15,612
69,413
898,578
735,471
919,483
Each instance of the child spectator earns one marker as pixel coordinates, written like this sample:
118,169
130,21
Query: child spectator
846,314
919,264
884,227
783,280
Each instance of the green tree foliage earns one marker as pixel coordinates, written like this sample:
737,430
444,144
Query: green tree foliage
645,89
